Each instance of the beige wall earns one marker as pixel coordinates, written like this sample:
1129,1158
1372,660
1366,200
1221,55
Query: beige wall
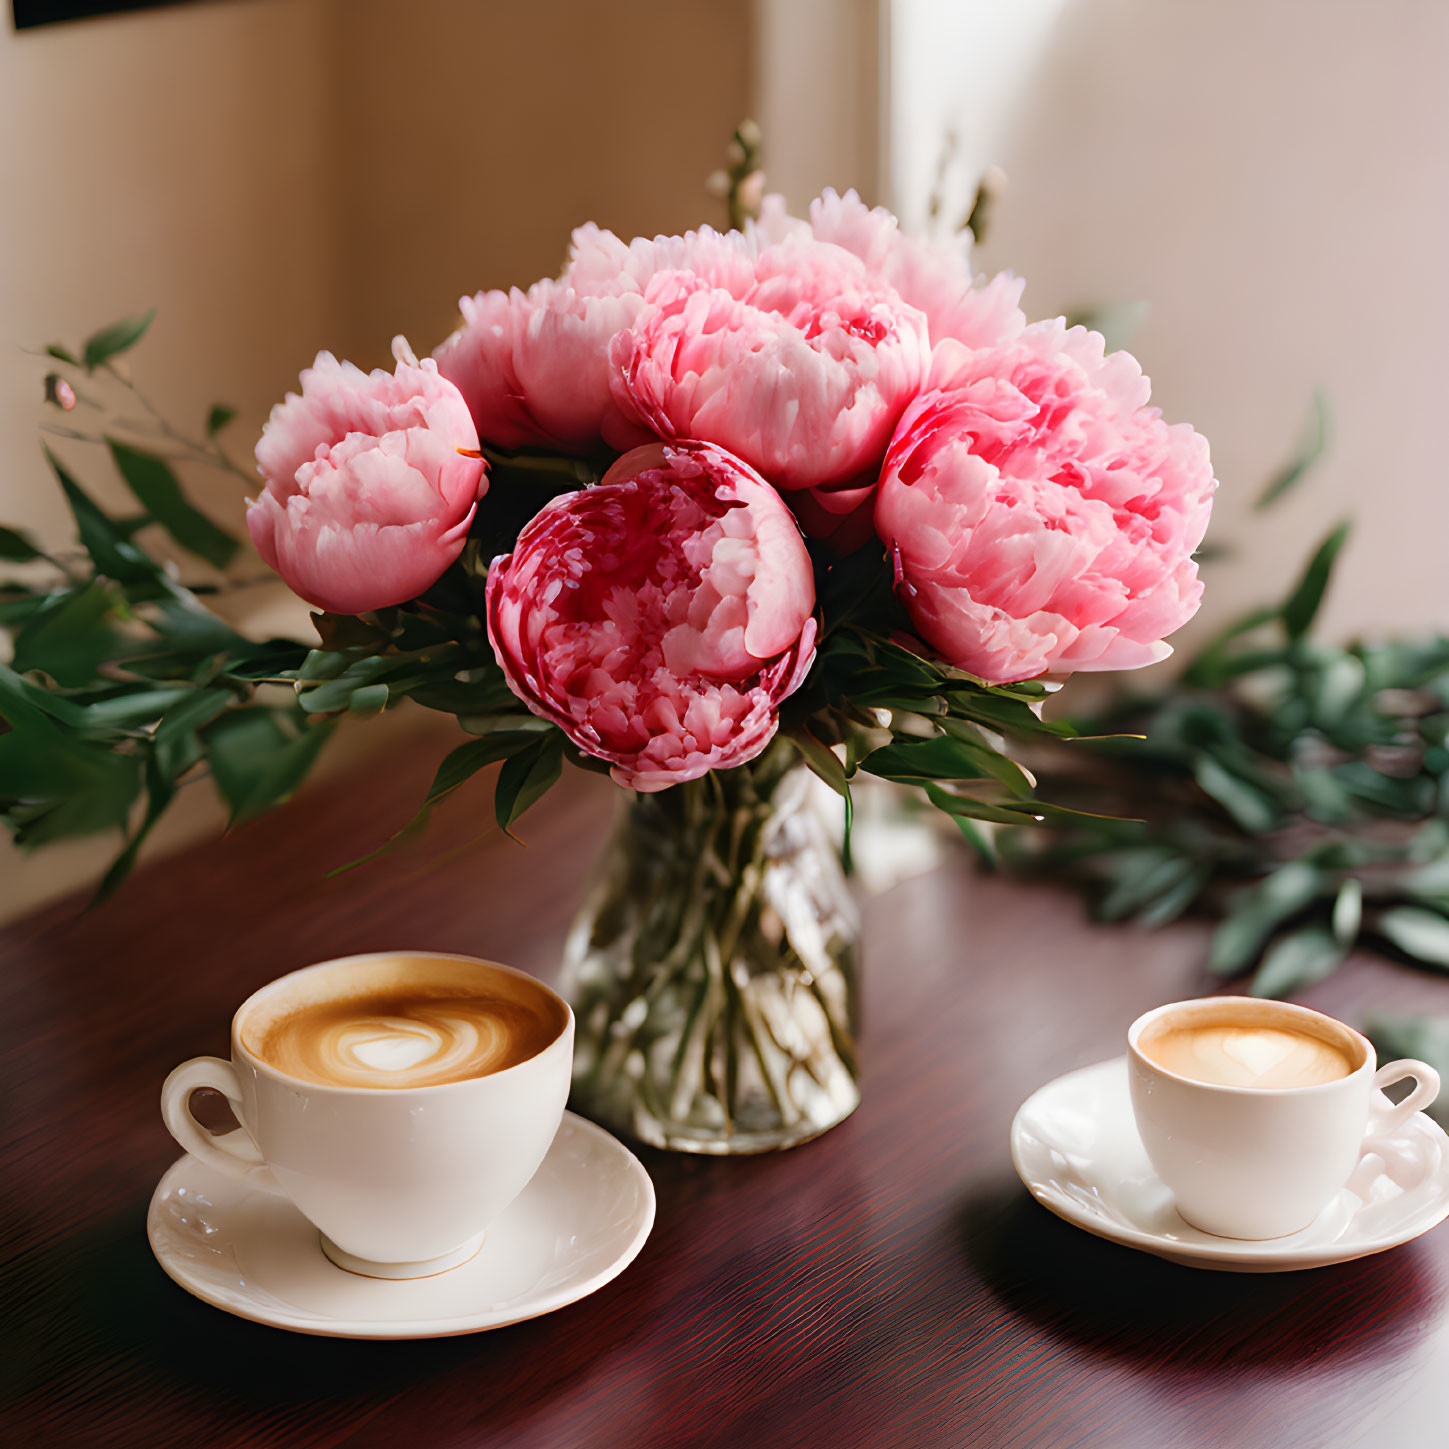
283,175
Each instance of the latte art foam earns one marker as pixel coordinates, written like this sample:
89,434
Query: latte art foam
1247,1056
404,1039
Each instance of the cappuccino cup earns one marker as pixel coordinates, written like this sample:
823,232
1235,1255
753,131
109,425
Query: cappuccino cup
1254,1113
400,1100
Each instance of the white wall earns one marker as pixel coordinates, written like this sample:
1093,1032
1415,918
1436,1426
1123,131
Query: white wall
1272,176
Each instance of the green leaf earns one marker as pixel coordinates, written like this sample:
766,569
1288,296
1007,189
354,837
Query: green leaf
24,705
129,710
978,839
370,700
462,763
255,762
1419,933
526,776
1348,912
823,761
376,677
1310,450
237,747
963,806
150,478
219,416
15,547
1174,901
473,704
52,783
117,338
1005,713
1301,959
1254,811
1430,880
61,354
70,793
1259,912
184,624
197,709
160,791
1301,606
323,664
103,539
941,758
989,762
285,771
1142,876
70,638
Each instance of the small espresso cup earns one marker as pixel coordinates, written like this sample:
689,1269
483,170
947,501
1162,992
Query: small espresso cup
401,1182
1262,1162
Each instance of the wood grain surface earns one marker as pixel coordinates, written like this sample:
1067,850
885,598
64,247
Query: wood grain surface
888,1285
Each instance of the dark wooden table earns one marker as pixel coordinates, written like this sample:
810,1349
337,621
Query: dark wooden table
888,1285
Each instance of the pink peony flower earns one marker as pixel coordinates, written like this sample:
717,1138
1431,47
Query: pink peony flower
1043,517
369,493
534,366
933,276
660,617
803,375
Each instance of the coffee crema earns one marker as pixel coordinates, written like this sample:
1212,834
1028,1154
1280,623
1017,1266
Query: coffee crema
1226,1054
396,1033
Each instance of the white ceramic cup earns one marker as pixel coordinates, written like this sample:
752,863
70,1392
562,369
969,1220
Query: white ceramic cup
1262,1162
400,1182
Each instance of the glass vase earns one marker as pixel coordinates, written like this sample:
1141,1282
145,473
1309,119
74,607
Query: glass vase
713,967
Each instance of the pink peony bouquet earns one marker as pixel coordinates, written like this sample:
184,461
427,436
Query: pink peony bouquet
807,460
809,480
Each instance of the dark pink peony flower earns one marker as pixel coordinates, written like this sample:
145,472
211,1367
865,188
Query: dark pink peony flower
659,618
368,497
1043,517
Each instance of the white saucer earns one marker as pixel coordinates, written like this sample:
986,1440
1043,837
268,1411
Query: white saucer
1075,1146
579,1223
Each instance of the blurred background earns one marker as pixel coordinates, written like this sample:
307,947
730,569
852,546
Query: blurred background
1269,177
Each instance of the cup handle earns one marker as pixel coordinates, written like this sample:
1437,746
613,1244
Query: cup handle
231,1152
1390,1116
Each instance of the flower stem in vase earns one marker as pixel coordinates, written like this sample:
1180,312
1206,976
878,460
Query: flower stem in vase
713,967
